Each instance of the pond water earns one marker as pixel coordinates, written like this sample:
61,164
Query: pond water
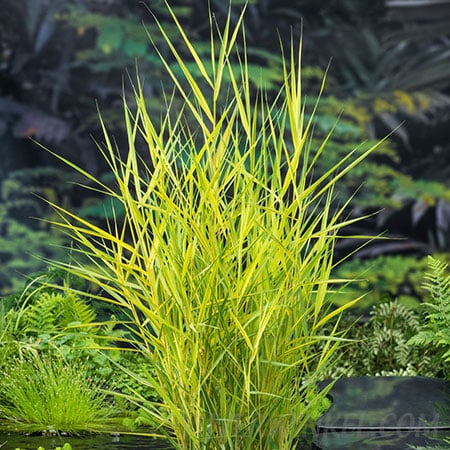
98,442
11,441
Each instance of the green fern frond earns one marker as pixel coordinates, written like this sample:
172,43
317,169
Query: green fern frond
40,316
393,313
382,345
50,312
437,282
423,338
74,309
435,332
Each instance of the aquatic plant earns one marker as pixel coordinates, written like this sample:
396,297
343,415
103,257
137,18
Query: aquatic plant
66,446
223,257
45,394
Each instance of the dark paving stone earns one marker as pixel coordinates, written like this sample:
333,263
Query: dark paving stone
382,440
386,413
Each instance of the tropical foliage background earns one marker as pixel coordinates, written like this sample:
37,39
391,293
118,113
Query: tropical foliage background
388,69
388,72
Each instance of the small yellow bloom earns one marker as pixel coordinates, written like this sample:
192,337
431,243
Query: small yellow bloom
405,100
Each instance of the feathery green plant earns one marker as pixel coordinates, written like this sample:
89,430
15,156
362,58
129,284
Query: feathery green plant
224,254
39,393
379,344
58,322
53,311
436,330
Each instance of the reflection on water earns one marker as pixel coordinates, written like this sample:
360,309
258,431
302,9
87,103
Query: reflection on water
89,442
101,442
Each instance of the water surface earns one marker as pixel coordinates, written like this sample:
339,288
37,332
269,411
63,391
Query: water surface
11,441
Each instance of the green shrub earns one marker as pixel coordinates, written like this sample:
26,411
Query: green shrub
62,324
55,322
379,344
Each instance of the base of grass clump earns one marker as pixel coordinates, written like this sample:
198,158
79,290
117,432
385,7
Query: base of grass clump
43,394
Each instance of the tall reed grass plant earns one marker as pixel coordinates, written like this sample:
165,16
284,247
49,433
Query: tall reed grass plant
223,256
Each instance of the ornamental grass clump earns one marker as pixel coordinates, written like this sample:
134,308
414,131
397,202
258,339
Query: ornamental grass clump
223,256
